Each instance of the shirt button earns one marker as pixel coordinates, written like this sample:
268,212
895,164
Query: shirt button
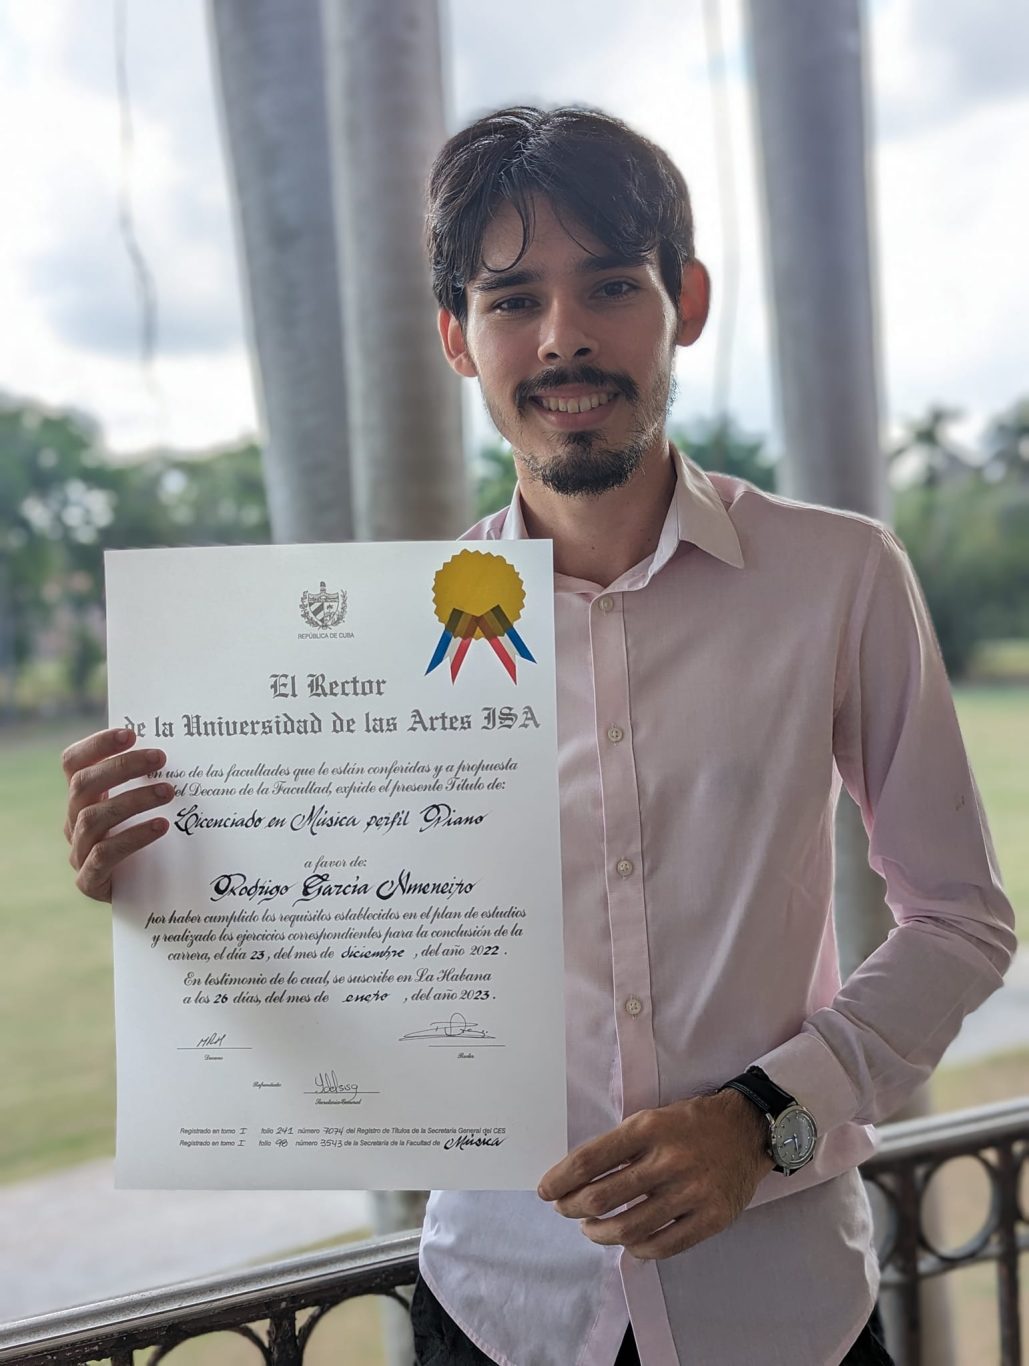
615,733
605,603
624,867
634,1005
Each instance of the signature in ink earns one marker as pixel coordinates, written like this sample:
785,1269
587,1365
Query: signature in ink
327,1083
457,1027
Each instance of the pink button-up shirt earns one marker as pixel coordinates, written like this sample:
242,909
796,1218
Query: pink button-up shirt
710,703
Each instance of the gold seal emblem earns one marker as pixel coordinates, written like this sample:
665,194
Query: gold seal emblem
478,595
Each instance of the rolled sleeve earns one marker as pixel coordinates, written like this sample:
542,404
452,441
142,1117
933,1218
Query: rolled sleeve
900,754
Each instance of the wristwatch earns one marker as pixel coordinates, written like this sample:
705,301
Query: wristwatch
792,1131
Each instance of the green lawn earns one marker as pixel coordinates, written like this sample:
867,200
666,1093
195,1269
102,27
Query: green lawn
995,724
56,1009
56,1024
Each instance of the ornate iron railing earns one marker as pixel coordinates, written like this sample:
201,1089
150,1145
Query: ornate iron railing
912,1153
280,1293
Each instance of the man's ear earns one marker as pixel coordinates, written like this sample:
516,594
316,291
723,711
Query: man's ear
455,349
694,302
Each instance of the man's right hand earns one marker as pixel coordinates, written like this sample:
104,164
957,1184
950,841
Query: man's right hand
93,767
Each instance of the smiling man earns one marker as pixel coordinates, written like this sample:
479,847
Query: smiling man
593,432
727,661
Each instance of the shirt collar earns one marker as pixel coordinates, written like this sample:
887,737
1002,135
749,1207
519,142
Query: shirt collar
696,514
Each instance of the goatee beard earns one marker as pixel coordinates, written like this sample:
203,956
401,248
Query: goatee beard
583,472
585,469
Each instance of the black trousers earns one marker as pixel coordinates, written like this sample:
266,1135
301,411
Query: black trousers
439,1342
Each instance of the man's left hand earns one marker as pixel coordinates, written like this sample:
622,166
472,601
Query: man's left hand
696,1164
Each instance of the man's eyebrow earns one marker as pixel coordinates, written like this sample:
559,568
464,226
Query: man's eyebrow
589,265
509,279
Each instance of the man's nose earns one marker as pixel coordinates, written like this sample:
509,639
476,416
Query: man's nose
566,333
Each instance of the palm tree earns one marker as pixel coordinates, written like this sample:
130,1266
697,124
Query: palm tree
1007,444
942,459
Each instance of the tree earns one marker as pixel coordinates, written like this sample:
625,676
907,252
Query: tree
949,530
714,444
942,460
717,444
497,477
63,502
1007,444
55,501
215,498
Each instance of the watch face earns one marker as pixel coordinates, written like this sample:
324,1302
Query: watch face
793,1137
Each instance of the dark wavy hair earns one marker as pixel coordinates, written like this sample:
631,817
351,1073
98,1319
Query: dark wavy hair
592,168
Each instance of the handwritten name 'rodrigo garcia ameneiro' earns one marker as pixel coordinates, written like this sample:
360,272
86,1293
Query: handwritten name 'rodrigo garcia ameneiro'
318,885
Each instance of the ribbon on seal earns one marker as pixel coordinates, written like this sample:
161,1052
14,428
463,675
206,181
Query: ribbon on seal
478,596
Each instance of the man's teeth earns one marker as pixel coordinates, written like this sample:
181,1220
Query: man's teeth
575,405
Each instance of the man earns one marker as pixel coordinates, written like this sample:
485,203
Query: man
726,660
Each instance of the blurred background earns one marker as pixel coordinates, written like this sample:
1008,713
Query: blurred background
193,351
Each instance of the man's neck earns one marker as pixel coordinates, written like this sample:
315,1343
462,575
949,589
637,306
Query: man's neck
598,538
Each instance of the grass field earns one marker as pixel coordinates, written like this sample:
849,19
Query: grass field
56,1023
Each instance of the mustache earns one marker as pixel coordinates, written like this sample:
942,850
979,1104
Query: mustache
596,379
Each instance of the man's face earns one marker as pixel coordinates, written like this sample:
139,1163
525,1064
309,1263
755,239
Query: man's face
557,327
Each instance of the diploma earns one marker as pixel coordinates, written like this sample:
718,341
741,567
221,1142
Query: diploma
342,965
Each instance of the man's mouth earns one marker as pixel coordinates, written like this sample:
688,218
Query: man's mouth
583,403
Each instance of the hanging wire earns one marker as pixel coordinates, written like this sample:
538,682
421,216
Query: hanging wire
142,275
726,326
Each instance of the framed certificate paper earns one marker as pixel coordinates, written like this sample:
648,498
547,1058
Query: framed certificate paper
342,965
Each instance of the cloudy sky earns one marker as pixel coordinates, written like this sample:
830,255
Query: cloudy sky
950,120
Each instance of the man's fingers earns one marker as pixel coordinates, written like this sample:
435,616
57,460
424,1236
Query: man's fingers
675,1238
100,745
94,877
93,766
637,1224
608,1193
591,1160
94,823
599,1155
87,785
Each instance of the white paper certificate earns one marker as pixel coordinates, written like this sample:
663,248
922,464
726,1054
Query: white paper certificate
342,966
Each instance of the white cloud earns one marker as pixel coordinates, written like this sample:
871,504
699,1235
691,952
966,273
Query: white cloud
67,289
935,61
954,282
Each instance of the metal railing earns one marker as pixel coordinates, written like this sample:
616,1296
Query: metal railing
278,1292
911,1155
282,1293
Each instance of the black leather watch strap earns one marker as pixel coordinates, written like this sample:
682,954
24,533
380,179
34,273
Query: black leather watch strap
759,1088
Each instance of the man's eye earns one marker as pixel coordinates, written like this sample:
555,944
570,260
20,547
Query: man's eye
519,299
625,287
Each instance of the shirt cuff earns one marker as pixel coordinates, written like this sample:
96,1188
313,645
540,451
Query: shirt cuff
808,1070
